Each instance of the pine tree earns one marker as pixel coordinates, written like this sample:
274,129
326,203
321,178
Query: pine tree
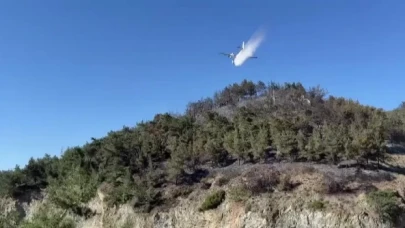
260,141
314,148
286,143
332,139
302,142
177,161
215,151
238,147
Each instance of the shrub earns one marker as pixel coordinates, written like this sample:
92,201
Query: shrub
73,190
120,194
285,183
261,180
146,199
9,216
213,201
317,205
385,203
9,219
329,185
48,216
6,185
221,180
177,191
239,194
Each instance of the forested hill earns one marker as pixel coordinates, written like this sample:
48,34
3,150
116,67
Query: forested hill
242,123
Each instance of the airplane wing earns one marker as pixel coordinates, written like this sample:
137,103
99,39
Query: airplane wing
225,54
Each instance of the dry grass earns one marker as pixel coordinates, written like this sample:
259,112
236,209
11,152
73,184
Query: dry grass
398,183
221,180
239,194
285,183
397,160
173,191
261,180
330,185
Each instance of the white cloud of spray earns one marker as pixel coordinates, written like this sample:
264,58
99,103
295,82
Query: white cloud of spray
250,47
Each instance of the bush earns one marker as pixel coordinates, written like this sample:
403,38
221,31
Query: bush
317,205
260,180
178,191
385,203
239,194
121,194
9,219
9,216
221,180
72,191
285,183
213,200
48,216
329,185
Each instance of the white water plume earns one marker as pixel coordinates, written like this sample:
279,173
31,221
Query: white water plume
250,47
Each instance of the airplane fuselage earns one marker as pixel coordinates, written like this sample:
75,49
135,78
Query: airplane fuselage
241,50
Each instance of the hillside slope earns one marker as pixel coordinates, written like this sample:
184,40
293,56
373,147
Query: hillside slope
151,167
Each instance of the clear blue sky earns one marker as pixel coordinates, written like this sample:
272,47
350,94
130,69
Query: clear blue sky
71,70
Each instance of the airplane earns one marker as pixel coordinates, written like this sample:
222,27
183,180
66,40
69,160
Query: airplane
243,45
233,56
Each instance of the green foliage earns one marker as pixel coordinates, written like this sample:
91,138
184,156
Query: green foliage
213,200
317,205
242,122
239,194
74,189
48,216
122,191
35,175
260,140
9,217
385,203
286,143
217,154
138,191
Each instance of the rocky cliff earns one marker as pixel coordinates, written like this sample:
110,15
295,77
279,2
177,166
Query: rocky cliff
259,213
314,199
312,196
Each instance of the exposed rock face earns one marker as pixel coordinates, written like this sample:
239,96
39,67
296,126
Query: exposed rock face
273,208
257,213
230,215
308,219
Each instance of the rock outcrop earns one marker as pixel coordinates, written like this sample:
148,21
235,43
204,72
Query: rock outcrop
258,213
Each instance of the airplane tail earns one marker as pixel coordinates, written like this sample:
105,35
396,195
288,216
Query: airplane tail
242,46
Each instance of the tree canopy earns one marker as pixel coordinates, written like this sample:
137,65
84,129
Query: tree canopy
243,122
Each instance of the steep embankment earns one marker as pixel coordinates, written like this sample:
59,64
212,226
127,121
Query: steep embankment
267,195
163,171
277,195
